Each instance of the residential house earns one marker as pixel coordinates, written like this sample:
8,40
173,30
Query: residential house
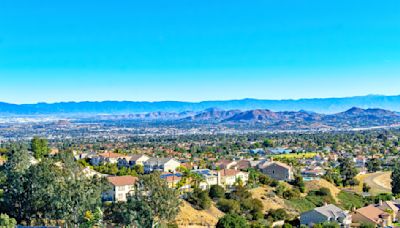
277,170
312,173
390,207
326,213
138,159
173,180
107,157
229,177
258,151
161,164
360,161
224,164
88,172
121,187
132,160
279,151
210,178
243,164
372,215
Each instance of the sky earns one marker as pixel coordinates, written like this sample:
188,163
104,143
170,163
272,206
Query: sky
184,50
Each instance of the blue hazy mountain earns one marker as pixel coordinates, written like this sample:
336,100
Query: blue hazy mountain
318,105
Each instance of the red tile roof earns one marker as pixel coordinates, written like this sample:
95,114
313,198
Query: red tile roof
122,180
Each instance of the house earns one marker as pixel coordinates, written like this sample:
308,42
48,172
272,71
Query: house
389,206
372,215
210,178
277,170
312,173
326,213
138,159
224,164
173,180
84,155
258,151
161,164
360,161
107,157
132,160
279,151
243,165
121,187
88,172
229,177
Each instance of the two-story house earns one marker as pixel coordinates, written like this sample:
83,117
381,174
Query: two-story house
278,170
122,186
161,164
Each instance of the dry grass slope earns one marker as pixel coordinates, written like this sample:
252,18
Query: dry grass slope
190,217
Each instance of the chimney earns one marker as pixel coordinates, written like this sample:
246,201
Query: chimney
380,202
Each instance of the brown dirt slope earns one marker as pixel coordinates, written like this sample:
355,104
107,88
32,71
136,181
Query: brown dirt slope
317,184
269,199
191,217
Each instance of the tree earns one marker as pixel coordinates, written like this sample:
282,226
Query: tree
7,222
228,206
15,183
49,191
232,221
396,180
374,165
365,187
268,143
299,183
199,199
348,171
39,147
276,215
154,197
216,192
139,169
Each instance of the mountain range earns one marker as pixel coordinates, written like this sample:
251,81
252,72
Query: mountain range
267,119
319,105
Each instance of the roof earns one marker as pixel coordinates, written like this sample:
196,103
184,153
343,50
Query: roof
136,157
224,162
371,212
112,155
228,172
331,211
279,164
171,177
122,180
388,204
158,161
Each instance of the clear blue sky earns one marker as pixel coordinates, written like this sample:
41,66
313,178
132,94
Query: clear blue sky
197,50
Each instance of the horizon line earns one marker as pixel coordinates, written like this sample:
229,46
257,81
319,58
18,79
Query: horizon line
200,101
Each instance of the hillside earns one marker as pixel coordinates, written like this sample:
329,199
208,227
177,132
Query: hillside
190,217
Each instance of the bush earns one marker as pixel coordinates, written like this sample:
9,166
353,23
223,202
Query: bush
216,192
323,192
291,193
6,221
228,206
232,221
200,199
277,215
264,179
